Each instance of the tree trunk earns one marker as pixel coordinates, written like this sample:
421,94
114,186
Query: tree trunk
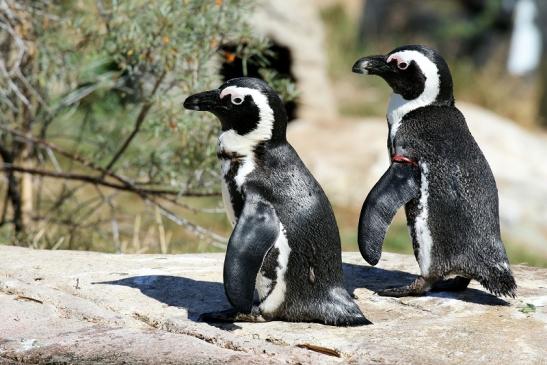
542,23
27,188
13,192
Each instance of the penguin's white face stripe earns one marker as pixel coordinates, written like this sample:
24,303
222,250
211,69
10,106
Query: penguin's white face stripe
277,295
263,130
398,106
244,145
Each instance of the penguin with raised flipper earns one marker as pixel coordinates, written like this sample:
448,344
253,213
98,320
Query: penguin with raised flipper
285,242
441,176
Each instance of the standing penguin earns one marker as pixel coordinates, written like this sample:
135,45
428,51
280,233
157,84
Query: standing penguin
441,176
285,242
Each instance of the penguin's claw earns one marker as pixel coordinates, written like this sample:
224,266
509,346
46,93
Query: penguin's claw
418,288
231,315
403,291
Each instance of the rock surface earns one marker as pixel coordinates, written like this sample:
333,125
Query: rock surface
82,307
349,156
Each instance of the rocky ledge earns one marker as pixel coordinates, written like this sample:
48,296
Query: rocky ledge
84,307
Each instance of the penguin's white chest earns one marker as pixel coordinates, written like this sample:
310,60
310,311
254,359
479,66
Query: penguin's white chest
231,144
226,197
421,224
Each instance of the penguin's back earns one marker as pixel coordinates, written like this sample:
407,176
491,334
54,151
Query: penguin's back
305,213
462,197
311,278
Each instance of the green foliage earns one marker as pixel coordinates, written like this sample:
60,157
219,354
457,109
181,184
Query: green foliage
105,81
285,87
138,44
528,308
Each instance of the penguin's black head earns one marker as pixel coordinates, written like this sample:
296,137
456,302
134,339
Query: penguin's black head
248,106
413,72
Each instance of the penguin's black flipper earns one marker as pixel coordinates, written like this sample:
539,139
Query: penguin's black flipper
399,184
255,232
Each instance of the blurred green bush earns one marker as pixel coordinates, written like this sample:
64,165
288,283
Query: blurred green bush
96,148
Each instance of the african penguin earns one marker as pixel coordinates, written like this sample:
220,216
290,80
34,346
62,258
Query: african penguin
441,176
285,242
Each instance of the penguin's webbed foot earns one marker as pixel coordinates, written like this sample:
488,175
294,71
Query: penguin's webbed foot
417,288
231,315
459,283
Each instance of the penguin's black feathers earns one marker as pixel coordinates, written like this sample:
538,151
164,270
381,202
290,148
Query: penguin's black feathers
314,267
285,242
448,189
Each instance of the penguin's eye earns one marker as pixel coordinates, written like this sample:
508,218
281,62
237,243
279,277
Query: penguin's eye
402,65
237,100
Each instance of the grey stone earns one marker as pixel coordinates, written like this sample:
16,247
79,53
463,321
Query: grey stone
296,24
83,307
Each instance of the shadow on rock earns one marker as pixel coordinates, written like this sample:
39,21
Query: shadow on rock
374,279
196,296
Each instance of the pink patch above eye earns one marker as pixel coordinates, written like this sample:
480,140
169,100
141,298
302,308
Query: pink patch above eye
397,58
233,92
225,92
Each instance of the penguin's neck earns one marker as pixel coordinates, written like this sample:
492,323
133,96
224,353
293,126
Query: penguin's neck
398,107
232,143
239,154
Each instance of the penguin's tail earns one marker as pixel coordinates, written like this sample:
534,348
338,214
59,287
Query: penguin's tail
499,280
340,310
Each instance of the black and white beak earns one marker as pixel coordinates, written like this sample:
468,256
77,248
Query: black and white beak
206,101
373,65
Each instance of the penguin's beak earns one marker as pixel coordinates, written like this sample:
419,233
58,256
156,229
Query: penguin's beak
372,65
206,101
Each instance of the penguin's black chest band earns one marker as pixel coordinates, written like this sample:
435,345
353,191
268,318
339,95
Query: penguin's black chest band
403,159
223,155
